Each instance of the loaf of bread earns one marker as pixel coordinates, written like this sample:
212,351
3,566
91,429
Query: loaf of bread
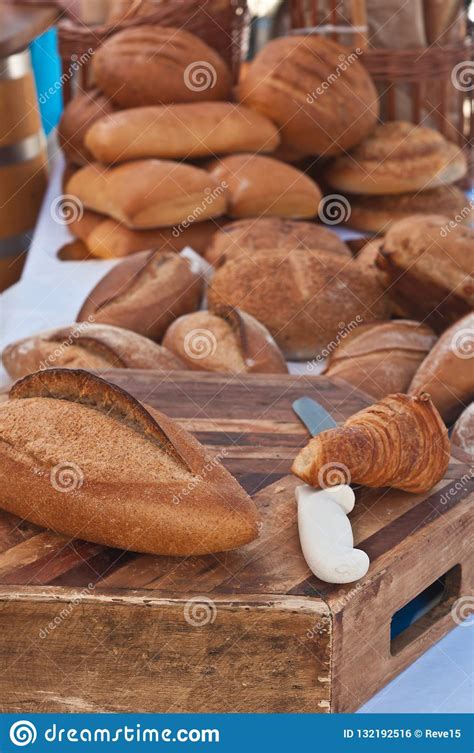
382,357
78,116
376,214
149,193
316,91
145,293
397,157
86,346
153,65
108,239
114,471
243,237
260,185
227,340
447,373
429,264
463,432
76,250
305,299
184,131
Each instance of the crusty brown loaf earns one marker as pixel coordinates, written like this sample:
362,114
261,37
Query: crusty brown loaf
78,116
382,357
463,432
144,293
261,185
86,346
376,214
429,267
447,373
108,239
76,250
399,442
153,65
288,82
243,237
149,193
184,131
114,471
303,298
227,340
397,157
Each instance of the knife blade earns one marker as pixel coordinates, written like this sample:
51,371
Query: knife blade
313,415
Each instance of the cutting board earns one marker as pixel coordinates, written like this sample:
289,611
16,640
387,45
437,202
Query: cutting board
86,628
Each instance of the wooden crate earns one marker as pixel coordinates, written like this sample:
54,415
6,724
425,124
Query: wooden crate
86,628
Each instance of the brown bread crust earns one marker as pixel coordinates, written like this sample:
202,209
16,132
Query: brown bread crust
78,116
198,509
463,432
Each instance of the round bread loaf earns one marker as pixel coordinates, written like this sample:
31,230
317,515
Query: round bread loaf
86,346
316,91
243,237
397,157
260,185
376,214
381,358
79,114
227,340
145,293
153,65
305,299
463,432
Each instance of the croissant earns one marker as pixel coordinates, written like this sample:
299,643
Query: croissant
400,441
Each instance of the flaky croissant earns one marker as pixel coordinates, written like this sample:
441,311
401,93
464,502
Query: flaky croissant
400,442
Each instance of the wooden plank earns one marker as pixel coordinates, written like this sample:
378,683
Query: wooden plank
20,25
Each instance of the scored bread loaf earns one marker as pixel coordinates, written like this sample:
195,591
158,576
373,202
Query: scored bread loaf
78,116
447,373
86,346
397,157
305,299
288,81
260,185
382,357
108,239
184,131
144,293
149,193
114,471
153,65
227,340
243,237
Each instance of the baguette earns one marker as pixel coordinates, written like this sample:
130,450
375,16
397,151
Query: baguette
144,293
86,346
114,471
185,131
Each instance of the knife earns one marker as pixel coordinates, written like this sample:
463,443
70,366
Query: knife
313,415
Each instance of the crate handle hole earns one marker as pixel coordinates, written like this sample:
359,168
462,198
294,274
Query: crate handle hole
424,610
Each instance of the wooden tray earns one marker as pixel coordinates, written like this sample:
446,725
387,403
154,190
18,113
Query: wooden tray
86,628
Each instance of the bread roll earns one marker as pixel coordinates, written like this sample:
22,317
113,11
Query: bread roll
109,239
463,432
429,267
382,357
153,65
228,341
397,157
74,251
304,298
264,186
79,114
376,214
114,471
144,293
149,193
447,373
243,237
316,91
185,131
86,346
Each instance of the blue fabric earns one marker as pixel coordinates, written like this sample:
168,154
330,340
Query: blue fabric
47,70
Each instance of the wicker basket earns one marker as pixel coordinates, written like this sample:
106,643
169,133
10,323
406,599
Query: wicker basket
219,23
404,78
